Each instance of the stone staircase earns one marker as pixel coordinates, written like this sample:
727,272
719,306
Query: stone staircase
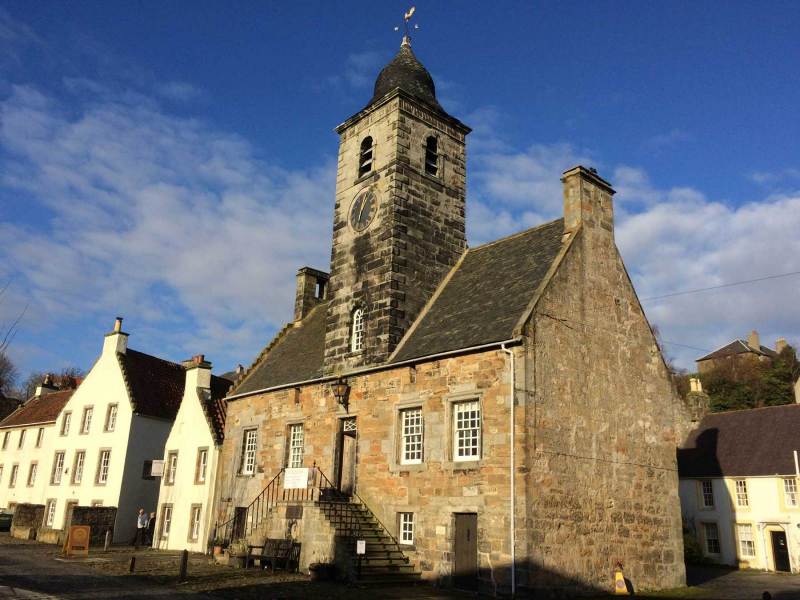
384,561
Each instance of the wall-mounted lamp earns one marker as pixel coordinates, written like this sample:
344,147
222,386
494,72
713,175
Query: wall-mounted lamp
341,391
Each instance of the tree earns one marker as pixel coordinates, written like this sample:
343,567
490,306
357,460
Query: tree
8,374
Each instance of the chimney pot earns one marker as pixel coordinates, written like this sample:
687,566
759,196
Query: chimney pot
118,325
198,358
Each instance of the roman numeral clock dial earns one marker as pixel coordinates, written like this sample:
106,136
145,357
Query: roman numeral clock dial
363,210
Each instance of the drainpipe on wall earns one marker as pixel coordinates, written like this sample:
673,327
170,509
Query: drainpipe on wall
512,531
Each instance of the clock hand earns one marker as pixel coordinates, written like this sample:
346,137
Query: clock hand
361,212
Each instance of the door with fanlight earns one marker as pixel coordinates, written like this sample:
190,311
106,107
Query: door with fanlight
347,455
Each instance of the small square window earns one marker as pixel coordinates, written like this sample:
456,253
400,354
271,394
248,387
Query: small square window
406,528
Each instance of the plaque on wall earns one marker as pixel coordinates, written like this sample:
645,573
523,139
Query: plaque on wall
294,511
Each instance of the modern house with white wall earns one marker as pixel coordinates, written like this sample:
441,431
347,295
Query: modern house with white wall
107,433
739,487
26,441
191,454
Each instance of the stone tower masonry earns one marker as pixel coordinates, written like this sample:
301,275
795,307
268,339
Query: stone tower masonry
415,233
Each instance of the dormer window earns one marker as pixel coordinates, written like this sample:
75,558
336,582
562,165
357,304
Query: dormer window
432,156
365,157
357,331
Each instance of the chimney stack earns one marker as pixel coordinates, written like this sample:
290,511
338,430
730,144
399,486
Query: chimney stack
116,342
198,372
780,344
695,385
754,341
587,201
312,288
47,386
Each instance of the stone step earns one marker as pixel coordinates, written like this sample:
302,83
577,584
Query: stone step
381,562
389,578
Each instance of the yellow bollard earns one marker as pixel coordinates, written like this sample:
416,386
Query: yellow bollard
620,588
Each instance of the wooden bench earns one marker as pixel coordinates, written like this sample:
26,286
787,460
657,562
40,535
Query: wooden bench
278,554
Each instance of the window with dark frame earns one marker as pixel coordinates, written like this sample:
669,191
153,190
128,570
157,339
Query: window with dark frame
172,467
6,435
708,493
365,157
712,538
65,422
21,439
432,156
357,331
103,467
39,437
12,480
194,522
32,473
111,417
166,520
86,420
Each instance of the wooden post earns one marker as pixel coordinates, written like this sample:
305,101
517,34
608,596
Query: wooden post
107,545
184,565
133,564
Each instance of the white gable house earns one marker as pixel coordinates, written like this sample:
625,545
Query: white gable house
191,453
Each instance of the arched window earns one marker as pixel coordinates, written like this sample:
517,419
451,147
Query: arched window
365,157
357,331
432,156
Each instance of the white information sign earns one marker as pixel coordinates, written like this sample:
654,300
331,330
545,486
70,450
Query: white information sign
295,479
361,546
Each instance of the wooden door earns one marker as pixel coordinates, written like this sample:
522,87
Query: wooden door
239,522
465,569
780,551
348,437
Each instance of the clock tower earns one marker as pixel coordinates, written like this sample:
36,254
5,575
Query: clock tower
398,225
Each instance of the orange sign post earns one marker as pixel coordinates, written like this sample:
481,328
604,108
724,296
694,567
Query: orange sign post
77,541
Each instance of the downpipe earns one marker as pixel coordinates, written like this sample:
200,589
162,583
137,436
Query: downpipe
512,529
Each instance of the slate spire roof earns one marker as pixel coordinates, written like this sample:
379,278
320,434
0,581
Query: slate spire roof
404,71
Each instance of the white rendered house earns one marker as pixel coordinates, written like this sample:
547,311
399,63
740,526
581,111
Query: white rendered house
739,487
26,441
191,454
107,433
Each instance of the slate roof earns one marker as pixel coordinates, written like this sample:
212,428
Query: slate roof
487,294
482,301
294,355
738,347
407,73
155,385
743,443
39,409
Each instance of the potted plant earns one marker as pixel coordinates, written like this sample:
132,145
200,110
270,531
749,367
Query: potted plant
217,544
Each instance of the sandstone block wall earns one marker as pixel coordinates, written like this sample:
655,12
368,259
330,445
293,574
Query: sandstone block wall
603,420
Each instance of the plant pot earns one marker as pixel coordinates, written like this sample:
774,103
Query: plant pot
217,550
321,571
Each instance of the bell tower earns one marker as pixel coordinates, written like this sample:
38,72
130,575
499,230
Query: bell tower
398,225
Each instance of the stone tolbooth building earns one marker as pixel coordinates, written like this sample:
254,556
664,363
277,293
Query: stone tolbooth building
492,418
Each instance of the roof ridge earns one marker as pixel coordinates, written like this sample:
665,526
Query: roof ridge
742,410
164,360
513,235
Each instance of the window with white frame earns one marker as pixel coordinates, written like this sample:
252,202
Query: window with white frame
21,439
86,421
166,520
202,465
172,467
707,491
296,446
111,417
467,430
406,528
6,435
77,467
12,480
747,546
411,436
39,437
66,420
58,468
790,492
249,452
103,466
50,513
711,533
357,331
194,523
741,493
32,474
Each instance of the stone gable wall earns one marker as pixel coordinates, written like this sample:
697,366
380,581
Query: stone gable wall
434,490
603,414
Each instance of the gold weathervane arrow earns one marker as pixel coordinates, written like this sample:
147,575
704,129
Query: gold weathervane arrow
406,18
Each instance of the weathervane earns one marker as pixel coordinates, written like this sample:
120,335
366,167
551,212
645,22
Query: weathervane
406,18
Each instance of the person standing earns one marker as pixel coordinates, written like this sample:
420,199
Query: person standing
151,529
141,528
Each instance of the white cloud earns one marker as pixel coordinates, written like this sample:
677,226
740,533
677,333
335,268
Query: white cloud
668,139
772,177
154,216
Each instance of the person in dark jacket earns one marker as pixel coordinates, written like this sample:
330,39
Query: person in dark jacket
151,529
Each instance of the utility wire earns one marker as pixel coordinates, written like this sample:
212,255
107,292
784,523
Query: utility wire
724,285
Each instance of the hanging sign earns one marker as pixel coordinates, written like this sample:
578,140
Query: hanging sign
295,479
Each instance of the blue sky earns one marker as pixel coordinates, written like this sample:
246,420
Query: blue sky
173,162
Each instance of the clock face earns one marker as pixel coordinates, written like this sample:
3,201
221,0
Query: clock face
363,210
